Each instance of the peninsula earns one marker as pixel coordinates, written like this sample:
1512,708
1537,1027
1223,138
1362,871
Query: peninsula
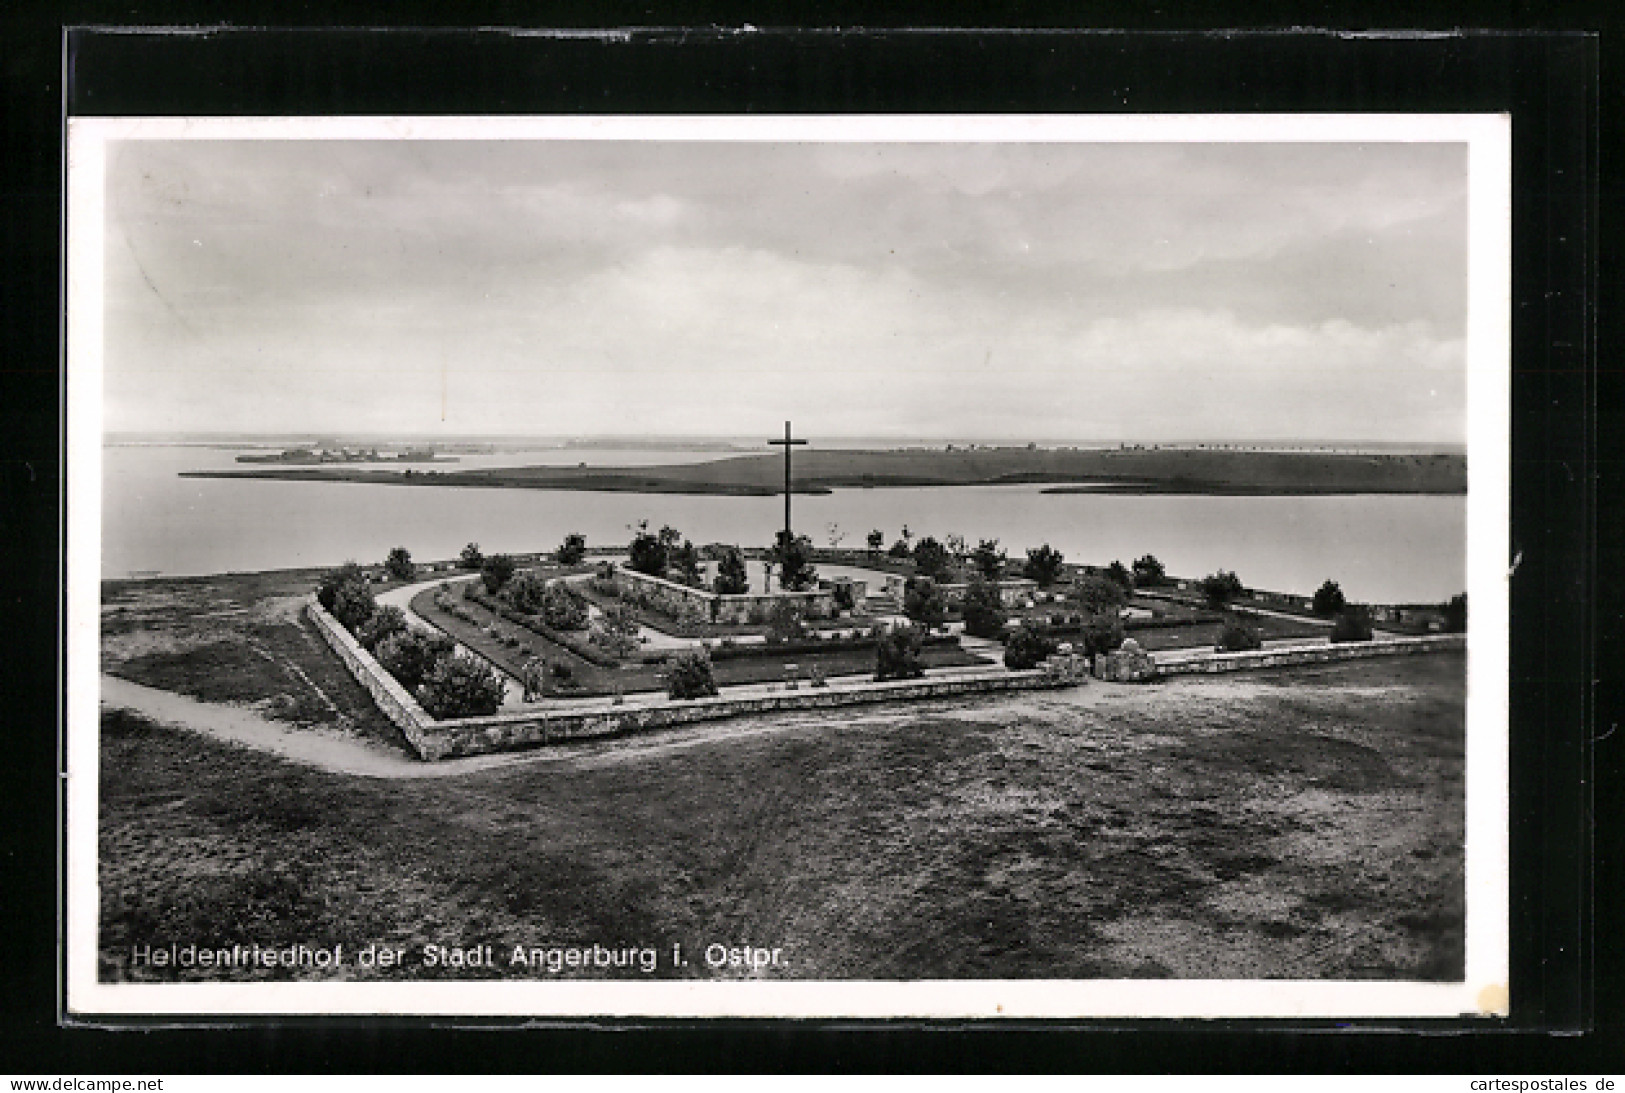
1140,470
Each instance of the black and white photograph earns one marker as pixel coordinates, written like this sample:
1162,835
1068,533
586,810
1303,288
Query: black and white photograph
911,566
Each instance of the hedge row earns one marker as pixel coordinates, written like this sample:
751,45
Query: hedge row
580,646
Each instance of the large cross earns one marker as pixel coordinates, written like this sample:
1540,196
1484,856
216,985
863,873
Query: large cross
787,444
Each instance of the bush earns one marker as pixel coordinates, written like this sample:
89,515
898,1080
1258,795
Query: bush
1351,625
1148,572
984,610
1027,648
562,608
615,631
1221,587
794,559
649,553
1329,600
525,592
382,623
497,571
785,621
327,588
409,654
572,550
1119,575
923,602
931,559
1099,595
1101,634
460,686
399,564
1238,636
897,654
988,559
471,558
353,604
1044,565
732,578
688,675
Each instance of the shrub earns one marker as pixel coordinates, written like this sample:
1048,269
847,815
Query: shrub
732,578
931,559
988,559
1238,636
382,623
1351,625
497,571
533,679
1221,587
923,602
794,558
409,654
399,564
785,621
897,654
562,607
688,675
1099,595
471,558
984,610
1044,565
1027,648
1148,572
1329,600
525,592
650,553
572,550
899,550
353,604
334,579
615,631
1101,634
844,597
460,686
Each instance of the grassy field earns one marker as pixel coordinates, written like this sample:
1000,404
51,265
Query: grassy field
819,471
1300,823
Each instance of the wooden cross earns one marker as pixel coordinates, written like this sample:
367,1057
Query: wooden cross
787,444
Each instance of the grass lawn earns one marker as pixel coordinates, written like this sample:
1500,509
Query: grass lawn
1302,823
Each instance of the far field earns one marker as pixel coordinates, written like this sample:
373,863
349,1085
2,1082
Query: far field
1135,470
1305,823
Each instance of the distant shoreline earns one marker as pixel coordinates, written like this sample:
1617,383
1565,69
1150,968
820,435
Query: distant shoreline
1112,471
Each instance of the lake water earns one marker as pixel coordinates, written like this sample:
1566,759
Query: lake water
1381,549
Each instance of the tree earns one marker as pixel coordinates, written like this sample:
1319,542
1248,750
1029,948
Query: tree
409,654
988,559
1044,565
1099,595
1237,636
1329,599
784,621
1221,587
471,558
1352,625
331,581
957,548
688,675
985,615
1027,648
683,563
460,686
899,550
931,559
1148,572
876,540
835,534
794,557
897,654
1455,614
572,550
525,591
399,564
648,553
732,579
923,602
1101,634
347,595
382,623
1118,574
496,572
616,631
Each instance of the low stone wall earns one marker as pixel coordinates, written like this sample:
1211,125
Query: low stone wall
476,735
1308,654
393,699
746,608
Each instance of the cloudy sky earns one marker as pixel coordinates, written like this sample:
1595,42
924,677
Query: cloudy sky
1082,291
